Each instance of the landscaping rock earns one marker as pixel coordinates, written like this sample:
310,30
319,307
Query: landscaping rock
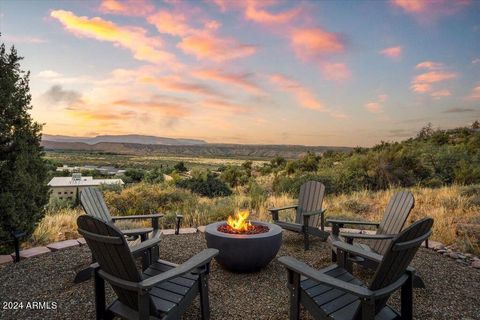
32,252
442,251
201,229
6,259
82,241
435,245
62,245
453,255
168,231
476,264
188,230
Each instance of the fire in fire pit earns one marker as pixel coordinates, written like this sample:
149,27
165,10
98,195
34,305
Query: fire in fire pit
241,225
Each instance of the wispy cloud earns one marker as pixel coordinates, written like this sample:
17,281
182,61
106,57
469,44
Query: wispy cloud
57,95
133,38
127,7
242,80
427,11
394,53
312,43
218,49
459,110
475,94
436,73
225,106
376,106
336,71
177,84
171,23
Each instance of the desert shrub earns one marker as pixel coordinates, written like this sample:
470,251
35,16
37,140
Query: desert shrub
134,175
180,167
470,191
235,176
356,207
291,185
208,186
257,194
114,187
55,204
154,176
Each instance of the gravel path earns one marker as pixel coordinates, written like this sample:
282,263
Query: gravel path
453,291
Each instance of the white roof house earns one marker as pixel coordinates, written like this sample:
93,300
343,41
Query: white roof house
76,180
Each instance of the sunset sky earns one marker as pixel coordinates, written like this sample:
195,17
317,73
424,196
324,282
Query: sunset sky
278,72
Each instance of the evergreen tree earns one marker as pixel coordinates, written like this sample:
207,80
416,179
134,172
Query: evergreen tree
23,171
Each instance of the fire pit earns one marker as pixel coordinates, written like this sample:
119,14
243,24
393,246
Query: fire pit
244,246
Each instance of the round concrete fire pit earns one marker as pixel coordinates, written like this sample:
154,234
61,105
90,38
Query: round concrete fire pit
244,252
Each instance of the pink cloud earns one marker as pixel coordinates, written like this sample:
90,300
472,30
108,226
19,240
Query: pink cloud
242,80
440,94
394,53
475,94
127,7
373,107
225,106
135,39
336,71
170,23
176,83
304,96
24,39
429,65
210,47
311,43
256,11
435,74
430,10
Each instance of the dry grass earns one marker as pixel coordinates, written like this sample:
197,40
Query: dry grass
56,226
448,206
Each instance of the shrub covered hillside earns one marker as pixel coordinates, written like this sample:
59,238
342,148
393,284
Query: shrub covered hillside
433,158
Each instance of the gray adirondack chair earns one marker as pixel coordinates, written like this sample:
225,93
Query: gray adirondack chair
334,293
394,218
163,291
309,218
94,205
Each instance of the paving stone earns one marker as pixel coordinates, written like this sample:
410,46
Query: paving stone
32,252
6,259
201,229
82,241
62,245
453,255
476,264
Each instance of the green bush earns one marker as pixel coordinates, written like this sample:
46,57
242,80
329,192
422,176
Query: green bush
207,186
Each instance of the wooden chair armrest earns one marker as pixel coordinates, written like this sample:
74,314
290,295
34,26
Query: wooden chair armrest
138,217
147,244
305,270
357,251
352,235
294,206
314,213
191,264
343,222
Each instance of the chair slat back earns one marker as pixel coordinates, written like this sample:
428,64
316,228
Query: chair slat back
394,218
110,250
400,253
310,199
94,205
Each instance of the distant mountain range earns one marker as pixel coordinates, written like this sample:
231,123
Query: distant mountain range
129,138
150,145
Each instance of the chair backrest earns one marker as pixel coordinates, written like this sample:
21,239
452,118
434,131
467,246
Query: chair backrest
397,258
110,250
94,205
394,218
310,199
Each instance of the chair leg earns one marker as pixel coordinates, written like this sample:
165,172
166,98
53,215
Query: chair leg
99,285
294,284
407,298
143,305
204,301
306,241
368,309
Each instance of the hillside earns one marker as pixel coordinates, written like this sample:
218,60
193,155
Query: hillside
201,150
129,138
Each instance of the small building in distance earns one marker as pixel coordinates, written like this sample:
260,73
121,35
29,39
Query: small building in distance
104,170
67,188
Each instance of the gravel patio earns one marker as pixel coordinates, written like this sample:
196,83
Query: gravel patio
452,289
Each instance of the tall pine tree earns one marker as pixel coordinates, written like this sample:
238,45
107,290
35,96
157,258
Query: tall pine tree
23,171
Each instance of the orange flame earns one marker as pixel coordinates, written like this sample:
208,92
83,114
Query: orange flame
239,222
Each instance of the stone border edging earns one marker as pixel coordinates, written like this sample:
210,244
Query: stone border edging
465,259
